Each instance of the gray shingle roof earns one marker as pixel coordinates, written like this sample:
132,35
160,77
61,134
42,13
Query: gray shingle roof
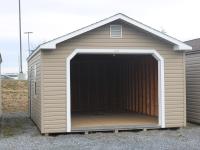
195,43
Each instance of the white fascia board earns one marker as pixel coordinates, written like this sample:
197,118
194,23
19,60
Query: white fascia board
182,47
79,32
178,44
52,44
46,47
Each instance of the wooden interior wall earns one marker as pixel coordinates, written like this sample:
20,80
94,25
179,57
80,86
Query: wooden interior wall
121,83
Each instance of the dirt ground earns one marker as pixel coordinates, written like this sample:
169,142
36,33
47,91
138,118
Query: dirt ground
18,132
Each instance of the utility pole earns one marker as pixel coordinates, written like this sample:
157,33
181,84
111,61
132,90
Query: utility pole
21,75
28,33
20,39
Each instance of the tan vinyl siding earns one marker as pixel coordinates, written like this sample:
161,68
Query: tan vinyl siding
35,98
193,86
54,69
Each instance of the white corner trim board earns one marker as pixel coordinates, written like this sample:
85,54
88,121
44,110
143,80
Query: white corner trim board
154,53
178,45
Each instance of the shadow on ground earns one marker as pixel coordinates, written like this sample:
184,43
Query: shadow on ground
15,124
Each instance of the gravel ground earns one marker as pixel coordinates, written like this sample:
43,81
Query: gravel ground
18,132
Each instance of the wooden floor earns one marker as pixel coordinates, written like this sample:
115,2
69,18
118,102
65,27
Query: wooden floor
110,120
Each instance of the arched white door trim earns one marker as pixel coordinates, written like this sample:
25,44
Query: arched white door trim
154,53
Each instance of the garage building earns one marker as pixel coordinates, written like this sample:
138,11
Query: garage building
114,74
193,81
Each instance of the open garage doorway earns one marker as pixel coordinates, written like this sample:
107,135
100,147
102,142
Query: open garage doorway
114,91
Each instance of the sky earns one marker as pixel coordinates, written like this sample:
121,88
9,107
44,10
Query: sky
48,19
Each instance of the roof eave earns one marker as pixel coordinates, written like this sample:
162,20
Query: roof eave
52,44
182,47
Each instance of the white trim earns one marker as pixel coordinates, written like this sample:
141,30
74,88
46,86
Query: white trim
114,25
178,45
68,93
35,72
35,80
29,90
157,56
161,89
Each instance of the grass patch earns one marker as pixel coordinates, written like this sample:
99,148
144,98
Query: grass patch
8,131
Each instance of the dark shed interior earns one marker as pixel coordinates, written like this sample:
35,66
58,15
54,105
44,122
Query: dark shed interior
106,89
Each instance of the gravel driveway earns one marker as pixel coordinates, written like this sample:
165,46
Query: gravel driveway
18,132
